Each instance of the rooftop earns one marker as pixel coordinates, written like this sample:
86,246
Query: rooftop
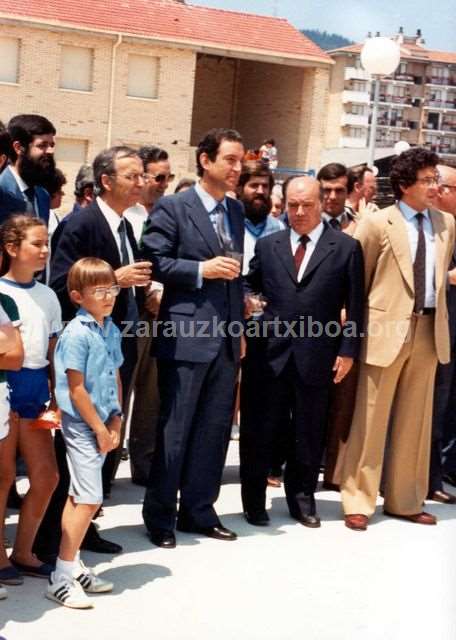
173,22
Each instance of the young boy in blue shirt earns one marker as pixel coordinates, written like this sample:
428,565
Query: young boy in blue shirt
88,392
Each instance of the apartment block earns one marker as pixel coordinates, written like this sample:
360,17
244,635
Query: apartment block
417,102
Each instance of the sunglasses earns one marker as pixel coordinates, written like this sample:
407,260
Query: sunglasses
161,177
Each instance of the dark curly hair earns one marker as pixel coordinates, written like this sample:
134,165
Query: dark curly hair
404,168
211,142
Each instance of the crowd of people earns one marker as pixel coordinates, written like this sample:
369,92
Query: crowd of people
327,322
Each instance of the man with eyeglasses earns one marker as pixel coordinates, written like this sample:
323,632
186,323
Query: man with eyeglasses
100,231
31,163
443,449
407,250
144,412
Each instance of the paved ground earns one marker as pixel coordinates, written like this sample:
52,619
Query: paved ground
395,582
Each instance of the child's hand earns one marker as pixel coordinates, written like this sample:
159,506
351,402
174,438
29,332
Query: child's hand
115,438
104,440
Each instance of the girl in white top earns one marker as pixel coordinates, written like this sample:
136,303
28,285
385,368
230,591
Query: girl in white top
24,245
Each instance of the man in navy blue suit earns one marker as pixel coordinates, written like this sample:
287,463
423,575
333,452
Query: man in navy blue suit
189,238
307,274
32,161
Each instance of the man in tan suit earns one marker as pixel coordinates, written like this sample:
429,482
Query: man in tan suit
407,249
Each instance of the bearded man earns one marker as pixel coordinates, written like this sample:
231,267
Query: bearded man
254,191
31,164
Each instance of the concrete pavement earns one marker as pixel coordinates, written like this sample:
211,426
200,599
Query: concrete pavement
284,582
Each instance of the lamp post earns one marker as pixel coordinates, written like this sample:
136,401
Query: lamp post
380,56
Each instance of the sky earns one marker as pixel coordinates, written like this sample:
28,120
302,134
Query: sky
354,18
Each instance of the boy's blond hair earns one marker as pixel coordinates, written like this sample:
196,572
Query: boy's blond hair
89,272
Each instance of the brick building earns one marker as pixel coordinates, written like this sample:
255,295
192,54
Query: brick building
417,103
161,72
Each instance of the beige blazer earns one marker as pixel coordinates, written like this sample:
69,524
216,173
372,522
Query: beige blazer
389,283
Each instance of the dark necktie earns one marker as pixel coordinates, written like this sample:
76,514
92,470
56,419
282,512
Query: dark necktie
29,193
419,267
132,309
300,252
123,243
335,224
221,230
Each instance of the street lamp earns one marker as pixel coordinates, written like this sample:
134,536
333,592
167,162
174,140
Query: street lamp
380,56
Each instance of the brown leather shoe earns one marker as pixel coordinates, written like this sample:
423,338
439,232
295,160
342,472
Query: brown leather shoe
356,521
417,518
442,496
275,482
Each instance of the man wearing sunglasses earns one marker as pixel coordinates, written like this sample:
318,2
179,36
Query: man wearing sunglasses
144,412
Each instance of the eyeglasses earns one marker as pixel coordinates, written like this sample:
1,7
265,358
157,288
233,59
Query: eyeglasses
161,177
429,181
100,293
131,177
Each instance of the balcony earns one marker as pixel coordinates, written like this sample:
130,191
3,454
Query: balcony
358,97
443,148
385,143
404,78
441,104
441,82
448,128
352,119
397,101
352,73
353,143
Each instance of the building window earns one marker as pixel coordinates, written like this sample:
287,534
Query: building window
9,59
143,73
357,109
76,68
359,85
356,132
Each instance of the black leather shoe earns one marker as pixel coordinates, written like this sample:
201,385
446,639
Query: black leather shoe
312,521
442,496
218,531
257,518
163,538
94,542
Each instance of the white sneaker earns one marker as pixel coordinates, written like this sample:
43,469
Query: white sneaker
90,582
67,592
3,593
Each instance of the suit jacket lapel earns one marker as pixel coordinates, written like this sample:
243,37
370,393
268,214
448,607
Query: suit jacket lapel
398,237
440,241
282,248
202,222
105,238
324,247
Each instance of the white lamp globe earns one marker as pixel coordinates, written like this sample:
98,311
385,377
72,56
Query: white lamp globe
380,56
401,146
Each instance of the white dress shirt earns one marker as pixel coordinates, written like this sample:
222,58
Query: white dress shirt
113,219
411,224
314,237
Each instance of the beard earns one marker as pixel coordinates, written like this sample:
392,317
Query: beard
257,211
35,172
